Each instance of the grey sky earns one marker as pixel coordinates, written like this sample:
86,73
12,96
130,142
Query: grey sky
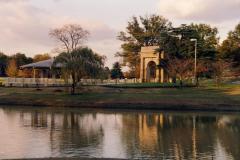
25,24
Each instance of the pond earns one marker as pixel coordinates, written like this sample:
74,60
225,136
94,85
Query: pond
49,132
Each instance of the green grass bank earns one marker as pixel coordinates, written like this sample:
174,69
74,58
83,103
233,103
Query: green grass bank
211,98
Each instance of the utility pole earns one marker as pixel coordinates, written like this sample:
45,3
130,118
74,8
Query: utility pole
195,60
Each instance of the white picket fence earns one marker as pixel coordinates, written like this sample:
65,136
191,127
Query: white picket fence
46,82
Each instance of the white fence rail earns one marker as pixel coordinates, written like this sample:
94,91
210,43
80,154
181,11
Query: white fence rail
46,82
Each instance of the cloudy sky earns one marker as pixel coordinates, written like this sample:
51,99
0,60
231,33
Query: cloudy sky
25,24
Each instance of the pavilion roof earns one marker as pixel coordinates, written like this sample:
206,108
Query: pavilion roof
41,64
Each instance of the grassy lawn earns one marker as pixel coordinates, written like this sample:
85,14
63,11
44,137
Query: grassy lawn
228,95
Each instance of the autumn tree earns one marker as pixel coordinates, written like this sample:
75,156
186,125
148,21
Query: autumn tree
204,69
41,57
221,69
71,36
179,68
12,69
21,59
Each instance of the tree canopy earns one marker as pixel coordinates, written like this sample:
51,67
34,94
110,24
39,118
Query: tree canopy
177,43
41,57
230,48
21,59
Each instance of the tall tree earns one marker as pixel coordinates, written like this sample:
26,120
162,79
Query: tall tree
41,57
208,40
142,31
230,48
3,64
116,71
79,63
177,42
12,69
71,36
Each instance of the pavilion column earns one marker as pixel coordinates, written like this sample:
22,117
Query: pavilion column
157,79
158,70
142,70
34,73
162,70
42,73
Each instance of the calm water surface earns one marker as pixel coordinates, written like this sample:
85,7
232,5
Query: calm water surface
32,133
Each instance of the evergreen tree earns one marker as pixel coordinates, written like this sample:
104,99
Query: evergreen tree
3,64
116,72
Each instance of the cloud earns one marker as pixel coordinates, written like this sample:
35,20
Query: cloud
222,14
22,26
202,10
25,28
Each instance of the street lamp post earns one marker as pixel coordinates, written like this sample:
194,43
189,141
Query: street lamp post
195,60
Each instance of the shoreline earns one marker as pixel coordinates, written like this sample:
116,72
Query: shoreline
80,158
136,106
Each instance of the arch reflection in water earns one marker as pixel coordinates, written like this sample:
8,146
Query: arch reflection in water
34,132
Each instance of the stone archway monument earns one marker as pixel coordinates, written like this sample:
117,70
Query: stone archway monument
149,69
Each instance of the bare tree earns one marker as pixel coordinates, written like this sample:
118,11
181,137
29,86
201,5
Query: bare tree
72,36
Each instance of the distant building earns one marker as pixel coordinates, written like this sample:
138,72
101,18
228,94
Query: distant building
42,69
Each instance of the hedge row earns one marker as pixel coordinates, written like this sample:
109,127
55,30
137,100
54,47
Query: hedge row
150,85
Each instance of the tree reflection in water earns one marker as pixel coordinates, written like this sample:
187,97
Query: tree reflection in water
69,132
174,136
74,133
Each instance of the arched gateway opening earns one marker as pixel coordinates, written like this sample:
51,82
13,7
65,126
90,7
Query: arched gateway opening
151,71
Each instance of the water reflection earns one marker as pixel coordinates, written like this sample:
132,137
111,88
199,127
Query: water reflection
46,132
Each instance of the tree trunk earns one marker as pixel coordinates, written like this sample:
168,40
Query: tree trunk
73,84
73,88
174,80
197,81
181,82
